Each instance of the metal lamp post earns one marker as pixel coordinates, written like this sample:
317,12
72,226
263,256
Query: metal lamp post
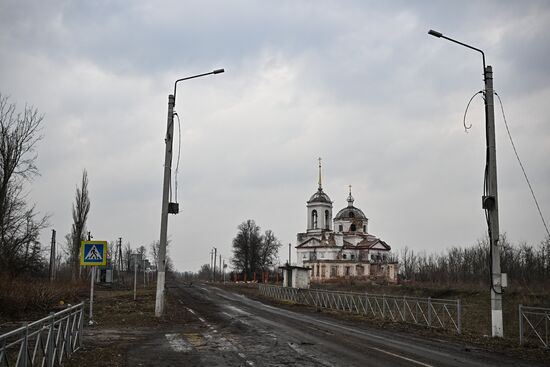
167,207
490,195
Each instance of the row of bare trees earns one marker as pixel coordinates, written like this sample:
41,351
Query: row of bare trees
525,264
20,223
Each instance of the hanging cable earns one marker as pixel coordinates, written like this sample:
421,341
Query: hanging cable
178,161
468,127
521,165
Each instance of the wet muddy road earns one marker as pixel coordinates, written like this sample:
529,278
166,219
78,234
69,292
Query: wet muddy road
226,329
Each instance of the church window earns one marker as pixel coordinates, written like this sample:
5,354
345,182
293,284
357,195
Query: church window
341,228
351,215
327,219
352,256
365,228
344,256
314,219
353,228
333,271
347,270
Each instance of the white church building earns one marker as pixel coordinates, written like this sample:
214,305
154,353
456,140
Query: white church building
341,247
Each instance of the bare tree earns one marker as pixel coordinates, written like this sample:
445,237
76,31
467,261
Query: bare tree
154,252
269,250
252,251
81,208
19,224
127,256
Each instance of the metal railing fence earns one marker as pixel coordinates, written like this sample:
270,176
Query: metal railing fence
430,312
45,342
534,325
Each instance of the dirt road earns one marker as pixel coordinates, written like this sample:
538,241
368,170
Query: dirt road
227,329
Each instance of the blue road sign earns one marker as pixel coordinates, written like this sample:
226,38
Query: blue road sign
93,253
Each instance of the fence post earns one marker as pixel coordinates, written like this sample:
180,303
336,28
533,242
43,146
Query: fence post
25,346
404,308
81,327
458,316
430,311
546,327
520,325
383,306
51,342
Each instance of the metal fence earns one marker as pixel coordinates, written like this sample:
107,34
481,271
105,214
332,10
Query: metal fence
431,312
534,325
45,342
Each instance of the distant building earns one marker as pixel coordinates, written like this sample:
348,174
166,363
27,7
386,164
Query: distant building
342,247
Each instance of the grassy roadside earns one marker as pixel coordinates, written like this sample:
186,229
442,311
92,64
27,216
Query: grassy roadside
119,322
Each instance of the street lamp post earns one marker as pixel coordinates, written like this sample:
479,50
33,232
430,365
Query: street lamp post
167,207
490,194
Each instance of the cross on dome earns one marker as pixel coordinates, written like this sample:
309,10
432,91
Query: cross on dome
350,198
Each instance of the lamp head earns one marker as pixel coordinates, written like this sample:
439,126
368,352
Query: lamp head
435,33
218,71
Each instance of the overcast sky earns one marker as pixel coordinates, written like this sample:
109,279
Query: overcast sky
360,84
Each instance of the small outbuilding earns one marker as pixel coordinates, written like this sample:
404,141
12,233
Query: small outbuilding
296,276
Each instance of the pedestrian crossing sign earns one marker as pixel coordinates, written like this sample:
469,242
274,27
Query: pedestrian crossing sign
93,253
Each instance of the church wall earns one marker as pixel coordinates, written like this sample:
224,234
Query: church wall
361,225
326,270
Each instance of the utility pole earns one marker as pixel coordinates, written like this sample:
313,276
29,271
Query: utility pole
215,255
490,203
161,266
220,265
168,207
211,265
135,274
490,195
223,271
119,250
52,258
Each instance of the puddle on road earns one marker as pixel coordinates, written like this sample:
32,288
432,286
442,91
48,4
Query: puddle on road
177,343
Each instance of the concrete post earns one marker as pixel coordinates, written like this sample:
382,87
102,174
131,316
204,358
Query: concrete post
491,205
161,266
135,276
215,256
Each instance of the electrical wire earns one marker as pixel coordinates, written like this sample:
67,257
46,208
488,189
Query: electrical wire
468,127
521,165
168,137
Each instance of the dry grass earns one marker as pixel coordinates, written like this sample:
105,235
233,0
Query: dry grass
28,298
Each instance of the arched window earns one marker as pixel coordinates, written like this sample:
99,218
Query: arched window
351,215
314,219
327,219
341,228
365,228
352,228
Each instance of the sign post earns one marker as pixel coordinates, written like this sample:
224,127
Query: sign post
93,253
